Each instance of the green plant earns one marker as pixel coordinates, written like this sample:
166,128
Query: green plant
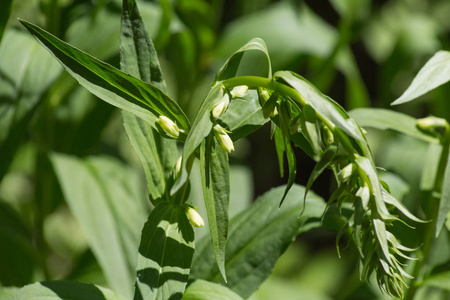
298,114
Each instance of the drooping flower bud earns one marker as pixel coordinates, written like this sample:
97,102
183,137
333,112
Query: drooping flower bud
347,172
194,217
177,170
327,135
238,91
168,126
221,106
223,138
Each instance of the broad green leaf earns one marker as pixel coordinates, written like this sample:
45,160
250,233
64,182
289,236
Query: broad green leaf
110,84
320,103
433,74
26,72
257,237
201,128
62,290
215,173
205,290
243,116
5,12
444,203
104,196
165,254
158,155
385,119
230,68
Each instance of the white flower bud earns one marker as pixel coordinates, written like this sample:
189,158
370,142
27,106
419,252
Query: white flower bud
177,171
223,138
238,91
221,106
345,174
168,126
194,217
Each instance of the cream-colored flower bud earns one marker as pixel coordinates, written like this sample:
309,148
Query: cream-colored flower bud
168,126
194,217
177,171
431,122
238,91
347,172
221,106
223,138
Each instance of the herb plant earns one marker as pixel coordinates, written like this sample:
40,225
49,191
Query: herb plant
238,254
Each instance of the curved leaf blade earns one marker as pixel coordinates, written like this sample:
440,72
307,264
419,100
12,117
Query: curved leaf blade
205,290
60,290
110,84
215,173
433,74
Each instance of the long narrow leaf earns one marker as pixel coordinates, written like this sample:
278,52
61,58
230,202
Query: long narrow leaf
215,175
444,203
138,57
165,254
110,84
433,74
102,194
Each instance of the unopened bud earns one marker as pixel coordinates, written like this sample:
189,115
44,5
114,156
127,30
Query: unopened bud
168,126
221,106
238,91
327,135
178,167
223,138
194,217
347,172
431,122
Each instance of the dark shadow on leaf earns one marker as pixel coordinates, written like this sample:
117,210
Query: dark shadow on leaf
74,290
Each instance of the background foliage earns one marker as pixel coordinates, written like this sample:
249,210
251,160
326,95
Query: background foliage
55,137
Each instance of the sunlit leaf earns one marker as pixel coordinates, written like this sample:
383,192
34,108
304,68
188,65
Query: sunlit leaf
205,290
433,74
215,174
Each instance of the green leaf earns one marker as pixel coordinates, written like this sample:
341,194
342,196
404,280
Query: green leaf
325,159
201,127
280,148
440,280
205,290
104,196
230,68
5,12
215,173
158,155
309,125
384,119
321,103
55,290
257,237
110,84
165,254
138,56
433,74
243,116
26,72
444,203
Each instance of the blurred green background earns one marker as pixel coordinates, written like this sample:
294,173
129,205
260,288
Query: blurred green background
361,53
